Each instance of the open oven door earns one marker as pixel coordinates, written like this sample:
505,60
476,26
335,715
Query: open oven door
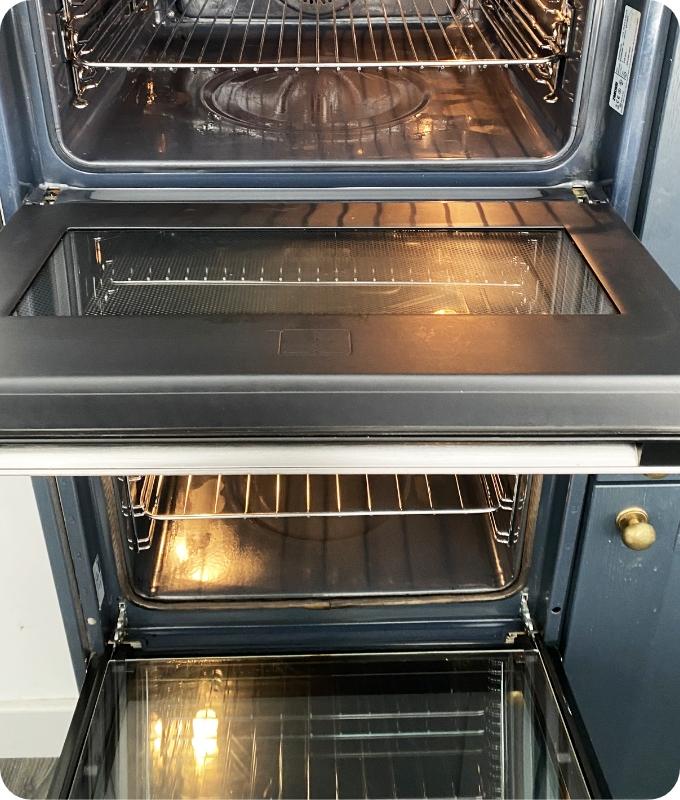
465,724
533,318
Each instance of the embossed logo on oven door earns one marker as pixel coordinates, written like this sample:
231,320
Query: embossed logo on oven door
315,342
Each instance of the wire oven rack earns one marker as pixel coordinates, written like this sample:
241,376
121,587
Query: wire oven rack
103,35
159,498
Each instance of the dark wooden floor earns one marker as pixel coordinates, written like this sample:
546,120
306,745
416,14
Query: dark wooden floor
27,777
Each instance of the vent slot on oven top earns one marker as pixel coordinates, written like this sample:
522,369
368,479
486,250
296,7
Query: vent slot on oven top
284,35
309,535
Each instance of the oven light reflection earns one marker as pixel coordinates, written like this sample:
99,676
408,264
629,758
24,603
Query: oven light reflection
181,551
156,737
206,574
198,555
204,742
150,92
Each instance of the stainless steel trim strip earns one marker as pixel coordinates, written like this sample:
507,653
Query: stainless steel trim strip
302,459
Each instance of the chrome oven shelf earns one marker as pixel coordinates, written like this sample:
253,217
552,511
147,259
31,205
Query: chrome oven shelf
154,501
101,35
288,496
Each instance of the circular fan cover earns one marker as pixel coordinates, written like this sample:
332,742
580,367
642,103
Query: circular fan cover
314,7
330,105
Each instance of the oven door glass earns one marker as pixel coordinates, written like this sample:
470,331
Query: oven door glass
315,272
442,725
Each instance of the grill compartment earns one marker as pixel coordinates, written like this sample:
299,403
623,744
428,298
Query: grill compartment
212,84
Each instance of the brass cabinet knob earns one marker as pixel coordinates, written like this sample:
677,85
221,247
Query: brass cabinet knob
636,531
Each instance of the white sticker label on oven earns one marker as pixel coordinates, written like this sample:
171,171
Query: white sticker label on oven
624,59
98,581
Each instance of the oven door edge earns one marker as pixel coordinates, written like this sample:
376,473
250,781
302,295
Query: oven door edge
571,716
67,763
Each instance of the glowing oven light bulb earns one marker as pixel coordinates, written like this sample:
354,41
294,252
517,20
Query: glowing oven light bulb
204,741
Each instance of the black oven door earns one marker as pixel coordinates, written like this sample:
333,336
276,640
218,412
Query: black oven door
541,317
452,724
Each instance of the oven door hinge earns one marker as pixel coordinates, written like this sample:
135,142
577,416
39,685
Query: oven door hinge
591,195
529,628
120,632
44,195
50,195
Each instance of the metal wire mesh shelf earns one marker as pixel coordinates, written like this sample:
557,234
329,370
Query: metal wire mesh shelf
101,35
256,497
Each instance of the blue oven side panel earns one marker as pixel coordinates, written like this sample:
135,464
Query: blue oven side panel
622,652
18,172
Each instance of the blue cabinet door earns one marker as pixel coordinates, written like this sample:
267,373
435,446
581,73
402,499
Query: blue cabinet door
622,650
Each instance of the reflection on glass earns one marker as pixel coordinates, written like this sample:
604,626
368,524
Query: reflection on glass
204,740
156,736
426,726
315,271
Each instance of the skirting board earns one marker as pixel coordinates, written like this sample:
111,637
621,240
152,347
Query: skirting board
34,728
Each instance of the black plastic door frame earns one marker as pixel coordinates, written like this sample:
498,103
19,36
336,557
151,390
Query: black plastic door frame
614,376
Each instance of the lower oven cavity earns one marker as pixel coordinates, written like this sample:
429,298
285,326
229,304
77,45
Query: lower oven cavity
194,537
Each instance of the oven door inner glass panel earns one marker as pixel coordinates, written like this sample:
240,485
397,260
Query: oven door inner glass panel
316,272
445,725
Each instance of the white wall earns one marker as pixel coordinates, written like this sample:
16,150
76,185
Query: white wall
37,685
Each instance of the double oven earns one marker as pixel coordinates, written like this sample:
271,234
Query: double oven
324,335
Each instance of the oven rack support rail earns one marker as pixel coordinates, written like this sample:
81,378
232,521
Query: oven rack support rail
161,499
100,36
